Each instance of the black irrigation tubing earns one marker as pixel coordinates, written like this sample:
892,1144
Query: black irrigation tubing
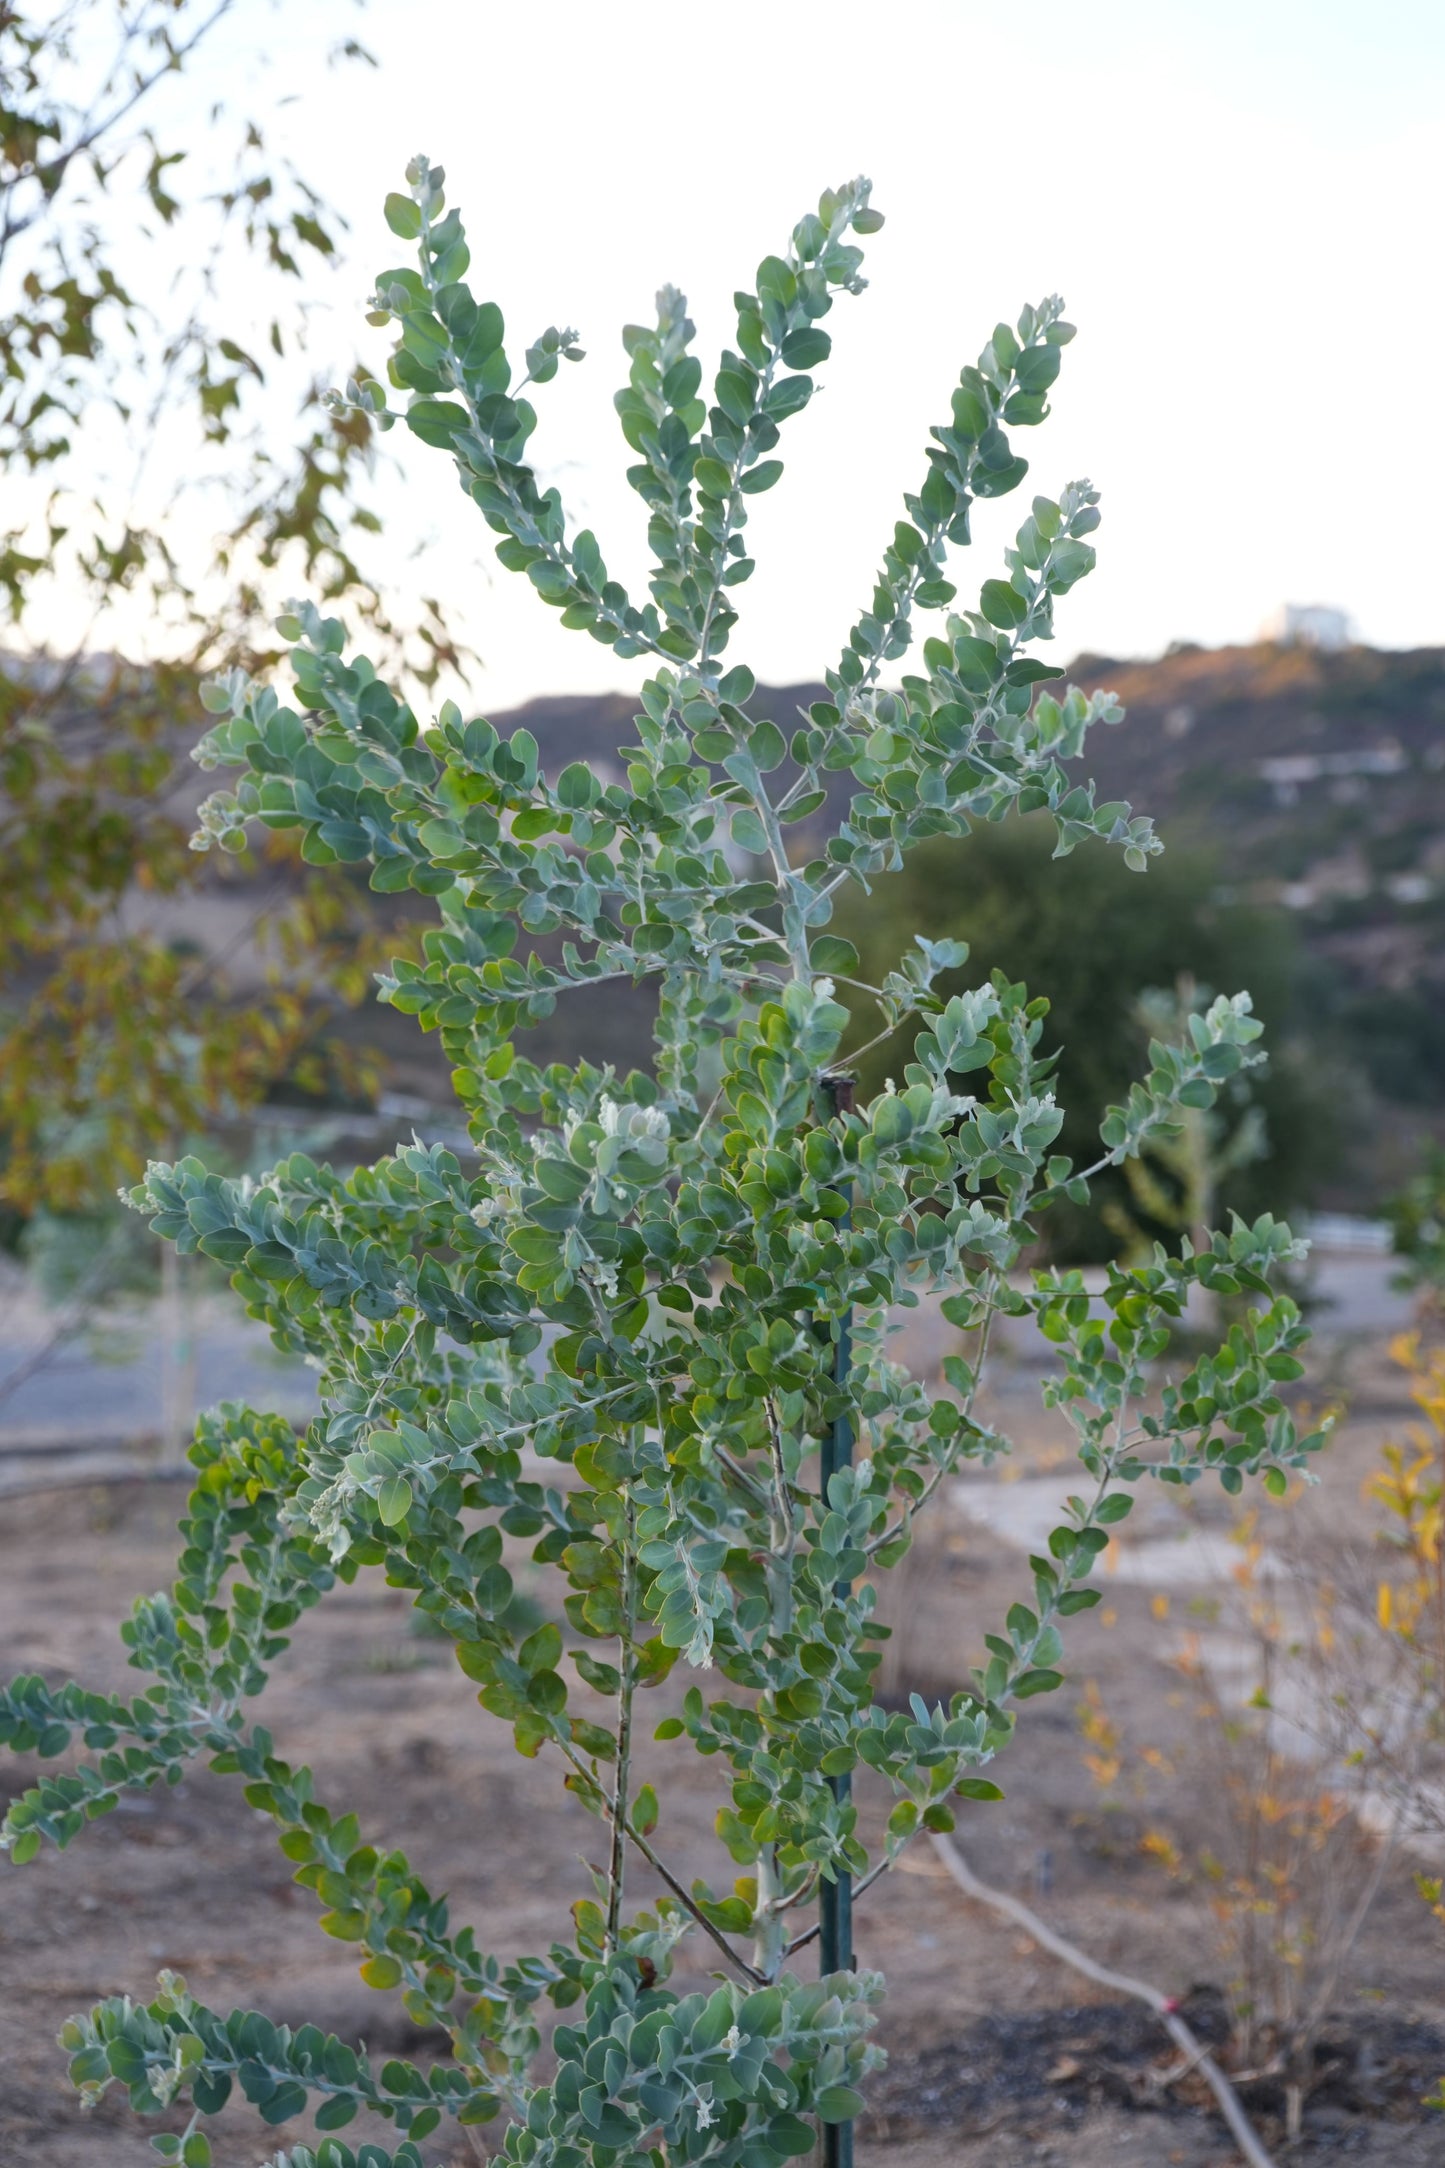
835,1898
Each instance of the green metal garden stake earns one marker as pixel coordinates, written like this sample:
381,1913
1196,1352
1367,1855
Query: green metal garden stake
835,1900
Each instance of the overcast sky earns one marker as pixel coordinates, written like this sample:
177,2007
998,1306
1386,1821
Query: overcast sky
1239,200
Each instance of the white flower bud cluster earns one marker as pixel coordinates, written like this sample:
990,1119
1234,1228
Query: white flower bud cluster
637,1124
328,1515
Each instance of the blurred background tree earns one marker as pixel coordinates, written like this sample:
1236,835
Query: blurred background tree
154,294
1416,1215
1076,930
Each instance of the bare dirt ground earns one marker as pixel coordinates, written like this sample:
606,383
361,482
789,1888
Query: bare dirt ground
998,2055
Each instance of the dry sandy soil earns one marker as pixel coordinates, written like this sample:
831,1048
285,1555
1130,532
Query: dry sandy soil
998,2055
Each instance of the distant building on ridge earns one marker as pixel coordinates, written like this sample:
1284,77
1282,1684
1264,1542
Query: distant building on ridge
1308,624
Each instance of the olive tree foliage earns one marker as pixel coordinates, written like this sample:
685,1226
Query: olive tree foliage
613,1335
142,479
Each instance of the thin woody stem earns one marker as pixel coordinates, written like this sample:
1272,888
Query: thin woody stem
946,1466
626,1690
783,1534
756,1490
689,1904
860,1889
659,1867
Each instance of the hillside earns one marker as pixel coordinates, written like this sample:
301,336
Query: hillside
1316,779
1319,778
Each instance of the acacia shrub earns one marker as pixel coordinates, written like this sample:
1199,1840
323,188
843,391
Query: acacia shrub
644,1326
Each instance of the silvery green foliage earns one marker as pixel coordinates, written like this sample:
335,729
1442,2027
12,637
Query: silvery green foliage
609,1335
